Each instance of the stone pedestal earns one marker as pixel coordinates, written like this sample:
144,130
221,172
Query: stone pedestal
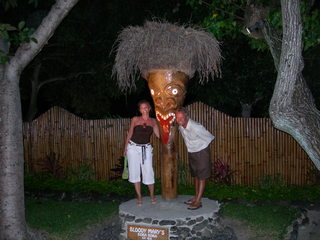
168,219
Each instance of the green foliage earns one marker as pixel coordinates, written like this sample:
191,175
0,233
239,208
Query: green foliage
3,57
271,182
268,220
219,192
185,189
4,28
313,176
257,44
221,17
41,183
118,169
258,193
311,30
222,173
7,4
15,36
275,20
225,20
34,2
51,165
84,172
66,220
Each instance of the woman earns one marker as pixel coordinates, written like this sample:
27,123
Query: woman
139,150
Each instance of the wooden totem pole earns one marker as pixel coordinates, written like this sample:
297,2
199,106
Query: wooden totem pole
167,56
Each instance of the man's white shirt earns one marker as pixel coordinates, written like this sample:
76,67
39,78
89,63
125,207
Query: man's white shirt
195,136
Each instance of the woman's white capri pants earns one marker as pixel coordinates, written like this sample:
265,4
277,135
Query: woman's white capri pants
140,161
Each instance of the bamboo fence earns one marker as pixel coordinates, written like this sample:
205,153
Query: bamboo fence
252,147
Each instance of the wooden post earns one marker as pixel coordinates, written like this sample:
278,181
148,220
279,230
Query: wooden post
169,169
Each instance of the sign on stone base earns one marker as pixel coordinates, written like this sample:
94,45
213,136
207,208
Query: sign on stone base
137,232
168,219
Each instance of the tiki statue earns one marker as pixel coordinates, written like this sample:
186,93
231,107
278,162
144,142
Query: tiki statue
167,56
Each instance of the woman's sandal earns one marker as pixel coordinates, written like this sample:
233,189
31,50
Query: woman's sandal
139,203
190,201
153,201
195,207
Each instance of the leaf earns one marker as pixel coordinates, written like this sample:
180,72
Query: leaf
34,2
21,25
5,35
4,59
34,40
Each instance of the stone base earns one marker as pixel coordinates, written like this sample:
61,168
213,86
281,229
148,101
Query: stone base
172,215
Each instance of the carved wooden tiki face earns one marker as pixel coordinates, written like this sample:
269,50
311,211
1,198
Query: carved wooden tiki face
168,90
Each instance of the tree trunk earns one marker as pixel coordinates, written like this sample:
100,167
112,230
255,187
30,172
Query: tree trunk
12,219
274,42
292,108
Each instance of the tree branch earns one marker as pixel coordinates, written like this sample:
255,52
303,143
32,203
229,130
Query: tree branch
27,51
73,75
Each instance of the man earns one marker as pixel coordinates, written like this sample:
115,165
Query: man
197,140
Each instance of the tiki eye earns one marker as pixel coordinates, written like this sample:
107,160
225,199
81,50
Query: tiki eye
152,92
174,91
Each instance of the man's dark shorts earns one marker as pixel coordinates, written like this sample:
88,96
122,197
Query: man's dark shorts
200,163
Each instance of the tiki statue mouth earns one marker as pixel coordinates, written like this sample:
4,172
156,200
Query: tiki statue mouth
165,122
167,119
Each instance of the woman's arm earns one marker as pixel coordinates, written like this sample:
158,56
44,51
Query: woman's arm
155,128
129,135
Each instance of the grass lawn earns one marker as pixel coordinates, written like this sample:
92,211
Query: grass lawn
266,220
65,220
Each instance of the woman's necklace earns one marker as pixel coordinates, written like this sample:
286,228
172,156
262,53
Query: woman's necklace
144,124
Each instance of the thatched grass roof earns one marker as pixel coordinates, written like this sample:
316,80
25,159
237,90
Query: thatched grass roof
158,45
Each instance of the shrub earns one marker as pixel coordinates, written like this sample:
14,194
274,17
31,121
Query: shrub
219,192
50,165
84,172
313,176
222,172
118,169
272,181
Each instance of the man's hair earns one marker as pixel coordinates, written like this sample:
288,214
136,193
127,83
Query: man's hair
184,110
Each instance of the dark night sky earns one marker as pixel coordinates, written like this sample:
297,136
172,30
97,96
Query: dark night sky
82,44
